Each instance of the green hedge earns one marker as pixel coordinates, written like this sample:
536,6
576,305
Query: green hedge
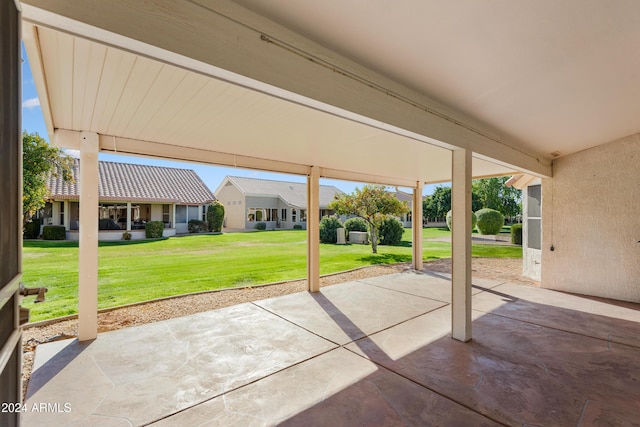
328,229
355,224
474,220
297,227
215,216
490,221
153,229
260,226
32,229
54,232
390,232
516,234
197,226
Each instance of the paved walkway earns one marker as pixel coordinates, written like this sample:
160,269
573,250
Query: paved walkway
372,352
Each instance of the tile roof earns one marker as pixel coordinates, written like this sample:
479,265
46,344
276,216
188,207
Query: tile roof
293,193
140,183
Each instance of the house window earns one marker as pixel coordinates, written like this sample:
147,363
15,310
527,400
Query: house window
165,214
303,215
294,214
255,214
61,213
534,217
283,214
271,214
193,212
181,214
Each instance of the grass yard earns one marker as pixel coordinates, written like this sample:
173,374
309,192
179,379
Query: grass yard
136,271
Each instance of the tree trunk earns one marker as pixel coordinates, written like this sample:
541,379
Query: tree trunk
374,239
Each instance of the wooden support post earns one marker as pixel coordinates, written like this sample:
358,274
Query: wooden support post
461,245
313,229
88,245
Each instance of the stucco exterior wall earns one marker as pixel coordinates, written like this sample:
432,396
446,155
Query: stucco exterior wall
156,212
234,206
591,217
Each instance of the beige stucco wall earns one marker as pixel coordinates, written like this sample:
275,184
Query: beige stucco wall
591,216
234,206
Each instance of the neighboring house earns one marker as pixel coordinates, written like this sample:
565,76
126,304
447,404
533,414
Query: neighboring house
279,204
408,198
129,196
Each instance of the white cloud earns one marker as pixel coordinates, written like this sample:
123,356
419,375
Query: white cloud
72,153
31,103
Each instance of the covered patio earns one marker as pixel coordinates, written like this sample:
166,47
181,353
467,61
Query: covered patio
370,352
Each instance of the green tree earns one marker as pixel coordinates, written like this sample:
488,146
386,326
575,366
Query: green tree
215,216
494,194
39,160
373,203
439,203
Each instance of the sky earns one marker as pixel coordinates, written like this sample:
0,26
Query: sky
33,121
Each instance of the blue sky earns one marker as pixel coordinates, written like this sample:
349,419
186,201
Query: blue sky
33,121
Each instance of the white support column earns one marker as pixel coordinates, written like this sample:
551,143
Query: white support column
88,246
173,215
461,245
416,225
313,229
128,216
67,215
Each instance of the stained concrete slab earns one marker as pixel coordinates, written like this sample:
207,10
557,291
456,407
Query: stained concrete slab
537,357
350,311
425,285
337,388
515,372
145,373
567,312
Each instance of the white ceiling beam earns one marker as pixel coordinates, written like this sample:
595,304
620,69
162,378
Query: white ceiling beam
70,139
224,40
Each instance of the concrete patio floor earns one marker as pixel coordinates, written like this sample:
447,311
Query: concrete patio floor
372,352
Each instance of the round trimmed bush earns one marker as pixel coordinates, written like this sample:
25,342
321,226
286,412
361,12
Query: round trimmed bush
328,229
54,232
153,229
260,226
197,226
474,220
490,221
215,216
32,229
355,224
390,232
297,227
516,234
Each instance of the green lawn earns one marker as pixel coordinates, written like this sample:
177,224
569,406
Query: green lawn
142,270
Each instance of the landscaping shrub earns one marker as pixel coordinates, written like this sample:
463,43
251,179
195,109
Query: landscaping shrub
261,226
215,216
390,232
474,220
32,229
328,229
490,221
197,226
355,224
126,236
516,234
54,232
297,227
153,229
